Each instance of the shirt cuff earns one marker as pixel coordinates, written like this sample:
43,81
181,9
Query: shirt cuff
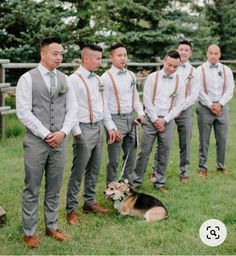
44,133
76,130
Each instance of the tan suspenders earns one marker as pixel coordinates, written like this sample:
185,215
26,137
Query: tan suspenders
174,92
155,88
100,89
134,87
88,98
204,79
116,91
190,76
91,117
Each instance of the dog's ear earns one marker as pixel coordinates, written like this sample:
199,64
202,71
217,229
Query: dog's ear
124,186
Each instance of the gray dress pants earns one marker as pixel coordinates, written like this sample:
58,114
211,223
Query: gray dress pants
164,142
40,159
124,123
87,152
184,127
207,120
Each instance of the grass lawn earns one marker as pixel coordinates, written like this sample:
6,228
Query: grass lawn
188,205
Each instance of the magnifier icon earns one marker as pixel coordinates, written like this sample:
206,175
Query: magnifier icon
213,232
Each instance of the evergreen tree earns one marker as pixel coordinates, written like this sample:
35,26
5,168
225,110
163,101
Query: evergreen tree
221,15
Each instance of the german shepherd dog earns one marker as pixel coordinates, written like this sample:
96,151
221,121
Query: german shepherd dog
130,202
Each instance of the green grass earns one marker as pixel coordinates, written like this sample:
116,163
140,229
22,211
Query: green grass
188,205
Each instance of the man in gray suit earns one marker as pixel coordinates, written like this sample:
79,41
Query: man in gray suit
88,134
163,98
122,102
216,90
184,121
46,105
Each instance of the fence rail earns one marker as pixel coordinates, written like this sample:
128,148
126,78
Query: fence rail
5,87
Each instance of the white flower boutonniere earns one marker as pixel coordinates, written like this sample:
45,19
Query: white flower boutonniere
190,77
220,73
100,87
132,83
173,94
63,90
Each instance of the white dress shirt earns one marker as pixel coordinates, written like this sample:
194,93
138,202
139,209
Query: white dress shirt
124,84
83,105
194,86
162,103
215,83
24,104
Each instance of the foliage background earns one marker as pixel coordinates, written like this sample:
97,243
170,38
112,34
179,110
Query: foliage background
147,28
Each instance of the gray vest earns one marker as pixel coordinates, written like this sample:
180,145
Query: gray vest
49,110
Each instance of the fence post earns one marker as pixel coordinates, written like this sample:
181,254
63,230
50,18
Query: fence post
2,99
158,62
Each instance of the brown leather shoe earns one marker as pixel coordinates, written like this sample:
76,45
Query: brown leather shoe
31,241
202,173
73,218
153,178
163,189
95,208
223,170
184,180
56,234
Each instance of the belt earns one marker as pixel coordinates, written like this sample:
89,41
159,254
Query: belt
212,102
91,124
122,115
150,118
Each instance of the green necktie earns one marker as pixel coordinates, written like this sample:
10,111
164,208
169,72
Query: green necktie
53,87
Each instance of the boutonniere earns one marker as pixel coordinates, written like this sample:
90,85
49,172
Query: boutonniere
173,94
63,90
220,73
132,83
100,87
190,77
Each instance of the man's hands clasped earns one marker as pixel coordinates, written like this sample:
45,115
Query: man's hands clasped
54,139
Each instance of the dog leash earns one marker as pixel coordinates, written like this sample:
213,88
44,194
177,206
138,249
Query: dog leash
136,145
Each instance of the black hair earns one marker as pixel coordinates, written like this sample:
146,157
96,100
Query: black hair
93,47
50,40
173,54
115,46
185,42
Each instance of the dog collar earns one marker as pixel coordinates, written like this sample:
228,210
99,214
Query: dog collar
125,193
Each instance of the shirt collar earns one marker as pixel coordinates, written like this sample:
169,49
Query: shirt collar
162,73
115,70
44,70
209,64
83,71
186,64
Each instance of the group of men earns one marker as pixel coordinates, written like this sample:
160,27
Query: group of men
50,105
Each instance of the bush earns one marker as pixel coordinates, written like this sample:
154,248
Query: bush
13,127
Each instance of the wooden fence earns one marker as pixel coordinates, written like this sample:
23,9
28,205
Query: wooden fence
5,87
